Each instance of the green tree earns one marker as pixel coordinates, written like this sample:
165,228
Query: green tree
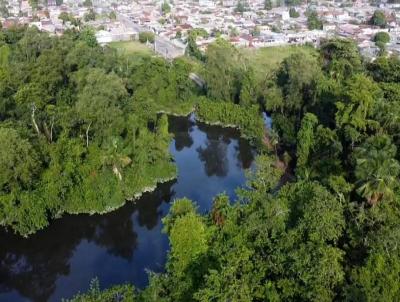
165,8
222,70
87,3
358,106
188,237
293,13
3,9
378,19
268,4
305,141
87,35
241,6
90,16
34,4
146,37
376,169
101,98
341,58
382,37
18,160
112,15
192,49
248,94
313,21
64,17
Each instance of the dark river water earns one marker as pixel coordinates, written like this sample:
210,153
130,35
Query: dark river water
120,246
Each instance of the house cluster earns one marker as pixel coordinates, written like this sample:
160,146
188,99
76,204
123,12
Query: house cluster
245,23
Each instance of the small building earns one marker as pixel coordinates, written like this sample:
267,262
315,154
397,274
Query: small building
114,35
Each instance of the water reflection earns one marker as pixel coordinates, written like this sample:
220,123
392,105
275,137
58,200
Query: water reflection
32,266
214,156
245,155
118,247
181,128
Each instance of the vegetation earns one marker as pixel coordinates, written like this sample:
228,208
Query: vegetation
146,37
84,121
268,4
293,13
382,37
165,8
87,3
319,218
4,9
265,60
132,48
378,19
329,234
241,6
247,119
90,16
313,21
192,49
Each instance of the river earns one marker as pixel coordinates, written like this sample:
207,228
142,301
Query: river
120,246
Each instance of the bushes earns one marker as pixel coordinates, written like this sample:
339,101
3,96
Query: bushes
247,119
146,36
382,37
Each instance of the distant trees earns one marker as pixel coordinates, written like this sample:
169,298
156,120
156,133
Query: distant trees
64,17
165,7
378,19
268,4
192,49
293,13
90,16
3,9
241,6
222,71
87,3
34,4
293,2
341,58
146,37
382,37
313,21
112,15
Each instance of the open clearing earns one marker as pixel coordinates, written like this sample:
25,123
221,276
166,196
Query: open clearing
132,47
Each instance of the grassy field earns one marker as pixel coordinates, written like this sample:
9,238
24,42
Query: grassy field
266,59
132,47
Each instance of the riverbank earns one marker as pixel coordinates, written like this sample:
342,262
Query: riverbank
247,121
135,197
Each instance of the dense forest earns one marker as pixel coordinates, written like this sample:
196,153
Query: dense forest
320,217
79,131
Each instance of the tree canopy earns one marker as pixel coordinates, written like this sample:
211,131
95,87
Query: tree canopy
82,130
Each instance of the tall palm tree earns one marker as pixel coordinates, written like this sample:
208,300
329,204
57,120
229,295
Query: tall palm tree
376,168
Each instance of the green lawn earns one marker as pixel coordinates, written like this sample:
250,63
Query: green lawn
132,47
266,59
